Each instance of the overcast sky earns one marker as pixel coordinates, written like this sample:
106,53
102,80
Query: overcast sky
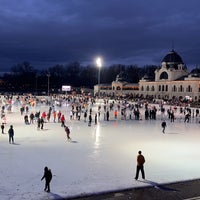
141,32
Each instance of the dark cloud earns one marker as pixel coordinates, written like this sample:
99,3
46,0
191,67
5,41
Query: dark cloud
48,32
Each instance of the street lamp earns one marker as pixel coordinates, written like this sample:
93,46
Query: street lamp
36,84
48,76
99,65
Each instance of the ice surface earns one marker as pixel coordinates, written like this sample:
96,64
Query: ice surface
99,158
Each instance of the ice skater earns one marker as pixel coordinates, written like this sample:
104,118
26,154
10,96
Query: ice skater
48,176
140,165
2,128
11,134
67,130
163,124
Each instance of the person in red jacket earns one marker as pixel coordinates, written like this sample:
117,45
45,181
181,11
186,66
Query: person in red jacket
140,165
62,119
59,115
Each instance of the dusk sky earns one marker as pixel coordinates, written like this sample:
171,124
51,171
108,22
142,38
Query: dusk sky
141,32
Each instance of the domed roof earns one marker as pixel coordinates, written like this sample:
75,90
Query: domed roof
195,72
173,57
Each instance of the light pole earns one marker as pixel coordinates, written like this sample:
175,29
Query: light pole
36,83
99,65
48,76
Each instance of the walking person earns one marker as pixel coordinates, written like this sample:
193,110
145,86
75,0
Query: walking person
38,123
11,134
163,124
2,128
42,123
67,130
140,165
90,120
95,119
47,176
62,119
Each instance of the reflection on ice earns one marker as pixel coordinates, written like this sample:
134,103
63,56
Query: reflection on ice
97,137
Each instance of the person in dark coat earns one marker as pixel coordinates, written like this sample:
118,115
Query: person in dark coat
67,130
107,115
42,122
90,120
2,128
47,176
163,124
140,165
11,134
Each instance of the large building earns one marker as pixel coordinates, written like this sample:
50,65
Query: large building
172,81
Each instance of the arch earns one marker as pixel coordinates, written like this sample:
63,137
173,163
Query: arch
189,89
147,88
164,75
152,88
118,88
159,88
174,89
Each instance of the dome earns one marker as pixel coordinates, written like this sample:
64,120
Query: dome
173,57
195,72
173,61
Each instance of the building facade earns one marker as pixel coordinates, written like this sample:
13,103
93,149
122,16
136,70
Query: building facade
172,81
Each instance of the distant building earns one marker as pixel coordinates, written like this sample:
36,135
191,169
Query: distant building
172,81
119,87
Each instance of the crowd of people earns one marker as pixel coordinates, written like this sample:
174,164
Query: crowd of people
89,111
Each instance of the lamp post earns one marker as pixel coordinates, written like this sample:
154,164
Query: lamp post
48,76
99,65
36,83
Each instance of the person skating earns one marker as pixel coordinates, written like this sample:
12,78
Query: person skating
42,123
62,119
2,128
163,124
47,176
90,120
11,134
140,165
67,130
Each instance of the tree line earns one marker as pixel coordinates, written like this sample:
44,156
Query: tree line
23,77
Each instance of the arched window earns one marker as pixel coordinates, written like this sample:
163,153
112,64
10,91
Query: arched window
159,88
164,75
147,88
166,88
189,89
118,88
174,89
181,89
152,88
163,88
142,88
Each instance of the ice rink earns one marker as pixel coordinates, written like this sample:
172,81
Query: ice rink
99,157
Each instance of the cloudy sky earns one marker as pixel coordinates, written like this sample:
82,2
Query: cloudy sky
141,32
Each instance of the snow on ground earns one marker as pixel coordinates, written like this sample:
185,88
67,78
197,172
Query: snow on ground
99,158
